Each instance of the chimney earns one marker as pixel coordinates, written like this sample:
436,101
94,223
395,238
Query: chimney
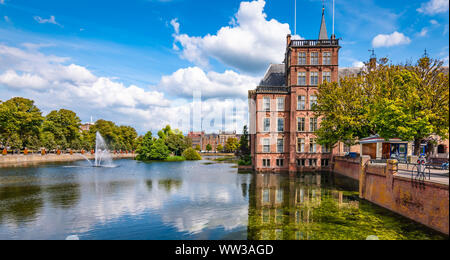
288,40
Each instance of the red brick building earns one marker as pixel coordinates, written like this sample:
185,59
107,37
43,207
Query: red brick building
201,139
282,124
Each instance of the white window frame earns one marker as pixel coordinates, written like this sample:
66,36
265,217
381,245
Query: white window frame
282,145
280,104
301,99
301,145
314,78
326,76
266,119
266,107
280,119
266,144
301,78
326,58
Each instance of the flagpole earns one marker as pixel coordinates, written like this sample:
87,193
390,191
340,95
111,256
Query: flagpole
295,22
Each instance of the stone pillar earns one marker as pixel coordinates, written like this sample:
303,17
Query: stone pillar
364,161
379,151
391,170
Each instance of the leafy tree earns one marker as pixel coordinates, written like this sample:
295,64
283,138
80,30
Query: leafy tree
20,121
197,147
64,125
144,148
220,148
191,155
244,149
405,101
159,150
48,141
208,147
231,145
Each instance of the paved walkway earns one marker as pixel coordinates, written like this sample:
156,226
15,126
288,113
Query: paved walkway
437,175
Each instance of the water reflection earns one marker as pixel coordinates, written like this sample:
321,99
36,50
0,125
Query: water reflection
187,200
20,204
318,206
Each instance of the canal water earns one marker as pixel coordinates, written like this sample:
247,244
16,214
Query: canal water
188,200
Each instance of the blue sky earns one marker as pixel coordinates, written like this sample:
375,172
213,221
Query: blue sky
138,62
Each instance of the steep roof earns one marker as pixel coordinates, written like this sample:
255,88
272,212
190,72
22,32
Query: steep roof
323,35
275,76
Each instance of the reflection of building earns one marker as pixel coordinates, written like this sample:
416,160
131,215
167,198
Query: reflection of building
201,139
285,208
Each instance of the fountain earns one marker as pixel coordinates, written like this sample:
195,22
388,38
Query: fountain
102,156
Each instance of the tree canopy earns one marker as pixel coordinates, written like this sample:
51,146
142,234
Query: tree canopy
405,101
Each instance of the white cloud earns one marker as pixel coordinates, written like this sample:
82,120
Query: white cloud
12,79
358,64
184,82
434,7
249,44
388,40
53,82
7,19
175,25
51,20
434,22
2,2
423,32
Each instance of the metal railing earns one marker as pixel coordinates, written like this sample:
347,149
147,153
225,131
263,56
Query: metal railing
314,43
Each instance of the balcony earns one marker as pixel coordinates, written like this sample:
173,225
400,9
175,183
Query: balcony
315,43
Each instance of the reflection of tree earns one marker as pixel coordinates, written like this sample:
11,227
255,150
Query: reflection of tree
20,203
169,184
149,184
64,195
320,206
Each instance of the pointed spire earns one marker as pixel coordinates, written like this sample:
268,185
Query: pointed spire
323,35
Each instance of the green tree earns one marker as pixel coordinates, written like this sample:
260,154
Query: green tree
209,147
20,122
405,101
219,148
191,155
244,149
197,147
65,127
231,145
144,148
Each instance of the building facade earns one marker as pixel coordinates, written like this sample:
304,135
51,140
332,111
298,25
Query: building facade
282,123
202,139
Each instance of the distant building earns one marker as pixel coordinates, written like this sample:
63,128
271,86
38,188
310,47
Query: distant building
202,139
86,127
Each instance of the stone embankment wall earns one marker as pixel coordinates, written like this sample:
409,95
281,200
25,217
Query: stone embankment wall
6,160
422,201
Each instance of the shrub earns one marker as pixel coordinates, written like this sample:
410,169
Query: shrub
175,159
191,155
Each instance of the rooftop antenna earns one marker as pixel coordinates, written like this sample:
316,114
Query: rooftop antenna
425,54
295,18
332,35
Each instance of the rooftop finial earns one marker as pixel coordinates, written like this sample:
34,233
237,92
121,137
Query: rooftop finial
425,54
323,35
372,55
